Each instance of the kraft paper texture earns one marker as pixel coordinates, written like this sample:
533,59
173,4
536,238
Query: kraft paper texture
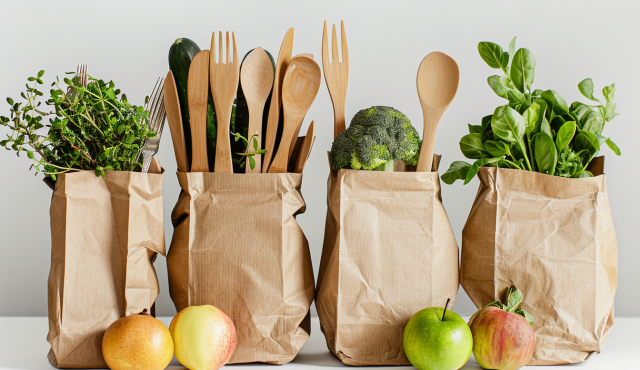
237,246
105,233
389,251
553,238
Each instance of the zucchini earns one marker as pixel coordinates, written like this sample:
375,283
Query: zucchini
181,53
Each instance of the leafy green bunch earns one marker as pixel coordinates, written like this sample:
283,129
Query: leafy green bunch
90,128
536,130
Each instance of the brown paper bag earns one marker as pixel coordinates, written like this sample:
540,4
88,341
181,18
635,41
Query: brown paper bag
389,251
105,233
553,238
237,246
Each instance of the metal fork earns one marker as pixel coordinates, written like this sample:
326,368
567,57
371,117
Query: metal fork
155,122
336,75
81,76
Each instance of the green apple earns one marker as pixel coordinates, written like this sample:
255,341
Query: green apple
437,339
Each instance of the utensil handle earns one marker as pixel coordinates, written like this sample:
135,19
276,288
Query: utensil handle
425,160
338,119
223,162
255,127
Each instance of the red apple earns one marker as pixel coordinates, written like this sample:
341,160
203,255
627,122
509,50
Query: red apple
503,336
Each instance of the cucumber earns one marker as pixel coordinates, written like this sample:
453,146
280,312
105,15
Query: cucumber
181,53
242,118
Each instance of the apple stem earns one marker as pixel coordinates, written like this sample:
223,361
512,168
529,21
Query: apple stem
445,308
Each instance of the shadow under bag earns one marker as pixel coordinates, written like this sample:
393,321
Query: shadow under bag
553,238
105,235
389,251
237,246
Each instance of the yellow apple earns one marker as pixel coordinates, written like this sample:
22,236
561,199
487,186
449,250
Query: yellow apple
204,337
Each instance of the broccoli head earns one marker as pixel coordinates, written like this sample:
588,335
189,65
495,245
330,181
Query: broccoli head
376,136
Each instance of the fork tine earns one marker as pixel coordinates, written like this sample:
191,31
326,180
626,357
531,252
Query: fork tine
345,49
325,47
220,51
235,49
84,75
334,45
228,48
156,105
212,49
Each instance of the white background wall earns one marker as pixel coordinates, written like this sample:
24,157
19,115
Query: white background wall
128,41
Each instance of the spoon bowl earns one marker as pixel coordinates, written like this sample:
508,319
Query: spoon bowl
299,90
437,83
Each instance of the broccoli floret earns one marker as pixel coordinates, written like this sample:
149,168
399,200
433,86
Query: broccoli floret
376,136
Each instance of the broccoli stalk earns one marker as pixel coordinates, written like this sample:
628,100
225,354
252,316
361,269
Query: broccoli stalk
376,137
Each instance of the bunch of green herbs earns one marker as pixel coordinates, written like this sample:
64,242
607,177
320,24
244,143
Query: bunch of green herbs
536,130
90,128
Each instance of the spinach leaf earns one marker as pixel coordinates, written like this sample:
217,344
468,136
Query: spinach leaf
523,69
592,121
475,129
546,154
486,122
610,144
588,141
499,85
491,53
565,134
457,171
531,117
512,51
472,147
507,124
496,148
555,102
545,127
610,111
473,171
608,91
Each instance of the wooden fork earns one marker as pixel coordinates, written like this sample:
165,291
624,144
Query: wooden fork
336,75
224,84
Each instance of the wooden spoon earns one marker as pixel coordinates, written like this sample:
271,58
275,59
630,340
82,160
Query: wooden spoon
174,116
437,84
299,90
256,77
305,149
198,93
276,101
297,131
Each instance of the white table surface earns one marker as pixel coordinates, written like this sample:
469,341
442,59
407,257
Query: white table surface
23,345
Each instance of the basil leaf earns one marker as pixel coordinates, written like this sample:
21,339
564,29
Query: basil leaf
523,69
545,153
476,167
507,124
531,116
526,315
555,102
457,171
545,127
491,53
565,134
496,148
586,88
610,144
499,85
609,91
472,147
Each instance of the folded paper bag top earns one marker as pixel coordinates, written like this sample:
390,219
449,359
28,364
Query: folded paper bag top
237,245
554,239
389,251
105,232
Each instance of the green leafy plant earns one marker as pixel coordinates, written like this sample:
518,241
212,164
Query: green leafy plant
247,155
90,128
536,130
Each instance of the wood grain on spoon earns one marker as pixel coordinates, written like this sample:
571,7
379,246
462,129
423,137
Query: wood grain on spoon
174,117
198,93
276,99
256,78
297,131
305,149
437,84
299,90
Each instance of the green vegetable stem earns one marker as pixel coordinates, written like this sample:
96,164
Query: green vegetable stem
535,130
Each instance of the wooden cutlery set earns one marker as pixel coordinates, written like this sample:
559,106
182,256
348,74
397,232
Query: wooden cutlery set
293,87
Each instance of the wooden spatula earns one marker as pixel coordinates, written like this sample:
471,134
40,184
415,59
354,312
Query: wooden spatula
305,149
256,78
224,84
276,99
198,92
174,116
437,84
299,90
